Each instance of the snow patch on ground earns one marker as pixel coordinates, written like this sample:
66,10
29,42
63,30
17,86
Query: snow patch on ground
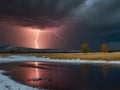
7,84
44,59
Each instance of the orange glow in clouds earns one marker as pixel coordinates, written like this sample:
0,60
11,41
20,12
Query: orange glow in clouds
40,39
36,38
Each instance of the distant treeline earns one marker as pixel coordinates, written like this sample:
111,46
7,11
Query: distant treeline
40,51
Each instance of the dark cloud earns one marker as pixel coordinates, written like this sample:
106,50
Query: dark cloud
37,13
47,13
99,12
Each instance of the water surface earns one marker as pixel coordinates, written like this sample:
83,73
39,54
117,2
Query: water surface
62,76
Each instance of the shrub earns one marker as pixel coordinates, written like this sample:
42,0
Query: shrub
85,47
104,48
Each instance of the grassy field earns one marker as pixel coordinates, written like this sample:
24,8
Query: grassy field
89,56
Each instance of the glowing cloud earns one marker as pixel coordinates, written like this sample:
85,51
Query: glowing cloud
41,38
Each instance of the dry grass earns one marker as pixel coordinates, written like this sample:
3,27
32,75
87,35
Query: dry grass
89,56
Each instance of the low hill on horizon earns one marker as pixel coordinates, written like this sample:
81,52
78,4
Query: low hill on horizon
16,49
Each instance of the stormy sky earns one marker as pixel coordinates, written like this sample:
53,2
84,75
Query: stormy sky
61,24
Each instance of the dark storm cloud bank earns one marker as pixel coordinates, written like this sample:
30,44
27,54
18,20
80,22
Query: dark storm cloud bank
99,12
45,13
37,13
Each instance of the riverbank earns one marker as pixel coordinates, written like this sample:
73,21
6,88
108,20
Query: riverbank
33,58
8,84
81,56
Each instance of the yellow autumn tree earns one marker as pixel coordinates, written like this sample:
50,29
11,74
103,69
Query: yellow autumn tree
104,48
85,47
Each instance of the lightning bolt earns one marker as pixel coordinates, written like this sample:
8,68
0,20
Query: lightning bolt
36,39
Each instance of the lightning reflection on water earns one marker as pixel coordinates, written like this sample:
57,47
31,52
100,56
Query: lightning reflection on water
36,70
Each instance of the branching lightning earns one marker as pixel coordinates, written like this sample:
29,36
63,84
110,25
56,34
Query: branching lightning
56,33
59,36
36,39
